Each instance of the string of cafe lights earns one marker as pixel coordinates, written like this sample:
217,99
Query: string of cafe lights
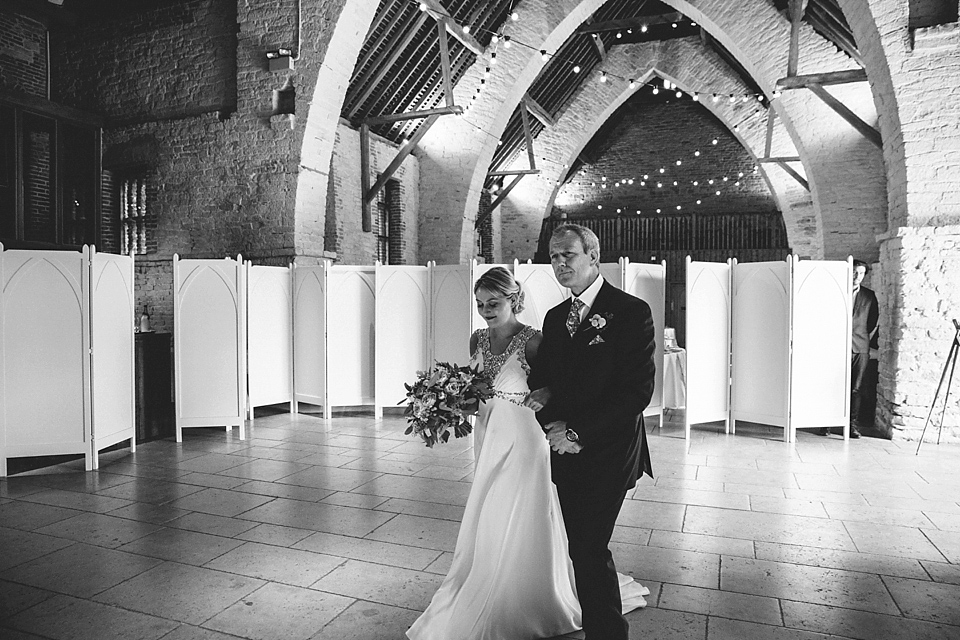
498,37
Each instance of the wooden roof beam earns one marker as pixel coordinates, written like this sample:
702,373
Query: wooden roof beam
538,112
496,203
436,10
398,160
631,23
865,129
832,77
796,9
598,43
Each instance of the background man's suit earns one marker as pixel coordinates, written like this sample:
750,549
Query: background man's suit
600,390
866,315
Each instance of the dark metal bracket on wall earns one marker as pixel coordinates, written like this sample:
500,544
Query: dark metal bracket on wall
445,25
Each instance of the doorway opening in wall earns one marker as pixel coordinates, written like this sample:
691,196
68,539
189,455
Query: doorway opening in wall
388,225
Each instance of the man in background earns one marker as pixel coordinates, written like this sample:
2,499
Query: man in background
866,314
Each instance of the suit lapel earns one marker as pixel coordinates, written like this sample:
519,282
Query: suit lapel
599,307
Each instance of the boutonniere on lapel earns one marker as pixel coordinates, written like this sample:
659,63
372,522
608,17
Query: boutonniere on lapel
599,322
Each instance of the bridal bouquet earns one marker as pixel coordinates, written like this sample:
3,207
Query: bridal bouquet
441,398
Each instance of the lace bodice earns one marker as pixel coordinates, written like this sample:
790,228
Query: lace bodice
494,364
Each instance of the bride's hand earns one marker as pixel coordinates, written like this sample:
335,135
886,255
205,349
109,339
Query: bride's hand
537,399
471,408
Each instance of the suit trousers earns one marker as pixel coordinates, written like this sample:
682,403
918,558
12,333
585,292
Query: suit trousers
589,517
858,370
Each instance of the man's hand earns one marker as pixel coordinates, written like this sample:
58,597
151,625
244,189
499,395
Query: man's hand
557,437
538,399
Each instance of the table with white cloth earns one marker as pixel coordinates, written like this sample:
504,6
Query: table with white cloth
675,378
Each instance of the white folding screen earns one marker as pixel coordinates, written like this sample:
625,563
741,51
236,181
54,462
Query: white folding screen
761,344
310,335
112,301
269,336
708,343
44,339
612,272
451,302
541,292
820,372
649,283
208,336
351,326
402,322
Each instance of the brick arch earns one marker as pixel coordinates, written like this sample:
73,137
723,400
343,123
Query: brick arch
329,81
692,67
844,170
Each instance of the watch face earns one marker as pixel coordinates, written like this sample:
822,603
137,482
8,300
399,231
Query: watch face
572,435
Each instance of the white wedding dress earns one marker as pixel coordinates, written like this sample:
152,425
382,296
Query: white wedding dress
511,577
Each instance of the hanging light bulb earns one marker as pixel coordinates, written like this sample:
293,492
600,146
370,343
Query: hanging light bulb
656,91
603,76
494,39
543,55
696,153
576,68
619,35
696,97
599,206
666,85
643,28
423,6
679,162
698,202
679,94
678,207
514,16
715,97
746,99
486,73
673,24
493,58
633,83
696,183
506,42
715,141
662,170
466,29
733,98
718,193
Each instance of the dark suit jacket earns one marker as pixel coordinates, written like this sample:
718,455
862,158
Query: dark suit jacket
866,314
599,389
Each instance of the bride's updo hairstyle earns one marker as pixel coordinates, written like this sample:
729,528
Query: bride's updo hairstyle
501,282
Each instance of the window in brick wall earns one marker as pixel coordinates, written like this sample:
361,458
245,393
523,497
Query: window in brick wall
49,187
388,224
136,234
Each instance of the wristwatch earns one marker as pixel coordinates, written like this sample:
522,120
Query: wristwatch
572,436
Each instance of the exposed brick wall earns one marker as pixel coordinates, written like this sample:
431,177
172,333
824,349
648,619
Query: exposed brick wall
171,60
23,55
654,137
345,235
928,13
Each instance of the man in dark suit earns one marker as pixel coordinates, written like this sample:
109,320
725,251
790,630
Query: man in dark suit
866,315
596,359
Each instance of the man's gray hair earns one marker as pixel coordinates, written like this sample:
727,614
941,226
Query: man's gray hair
588,238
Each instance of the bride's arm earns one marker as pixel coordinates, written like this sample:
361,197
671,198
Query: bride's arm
537,398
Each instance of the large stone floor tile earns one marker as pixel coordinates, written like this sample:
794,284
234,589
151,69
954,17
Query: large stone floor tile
380,583
212,480
93,502
187,547
842,497
436,510
397,555
705,544
101,530
146,512
29,516
368,621
150,491
266,470
275,534
80,570
940,506
67,618
357,500
190,632
675,566
214,525
279,490
280,612
725,604
862,625
330,518
836,559
652,515
767,527
893,541
663,624
180,592
926,600
220,502
789,506
726,629
276,564
942,572
422,489
878,515
415,531
804,583
947,542
15,597
335,479
22,546
210,463
683,496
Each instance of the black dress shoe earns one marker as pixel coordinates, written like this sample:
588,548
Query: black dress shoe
822,431
854,433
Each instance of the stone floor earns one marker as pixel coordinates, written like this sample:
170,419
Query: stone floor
342,529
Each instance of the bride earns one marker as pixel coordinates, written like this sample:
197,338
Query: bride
511,577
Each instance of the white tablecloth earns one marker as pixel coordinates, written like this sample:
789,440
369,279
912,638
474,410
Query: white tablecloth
675,379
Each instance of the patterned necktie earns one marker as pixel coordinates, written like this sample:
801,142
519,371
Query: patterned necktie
573,318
